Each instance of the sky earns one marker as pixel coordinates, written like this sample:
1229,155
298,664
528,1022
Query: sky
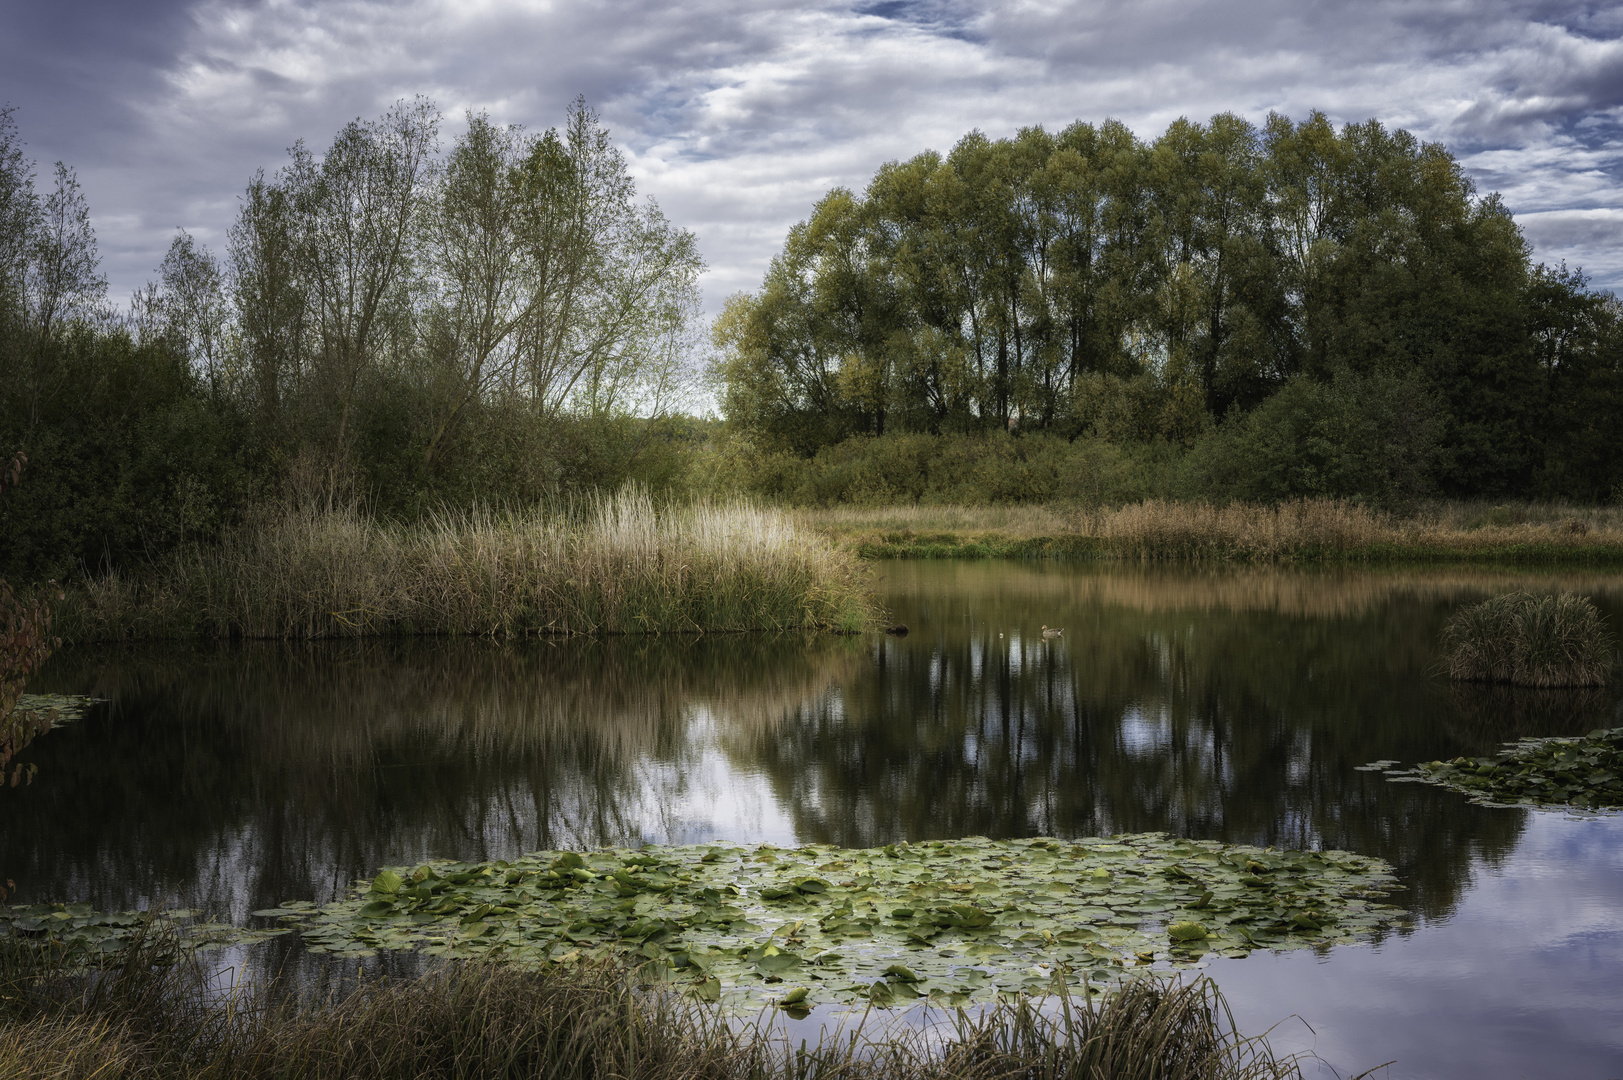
737,116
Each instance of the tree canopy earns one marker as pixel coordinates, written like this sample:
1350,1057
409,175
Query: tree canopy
1089,283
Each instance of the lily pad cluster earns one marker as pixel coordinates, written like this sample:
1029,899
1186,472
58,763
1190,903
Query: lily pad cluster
79,934
61,708
1586,772
956,921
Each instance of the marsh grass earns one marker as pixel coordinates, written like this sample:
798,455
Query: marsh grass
610,564
1528,640
159,1021
1306,530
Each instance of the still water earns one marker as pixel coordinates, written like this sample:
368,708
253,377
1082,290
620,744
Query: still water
1231,705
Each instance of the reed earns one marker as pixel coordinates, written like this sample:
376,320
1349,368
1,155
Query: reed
611,564
1304,531
583,1023
1528,640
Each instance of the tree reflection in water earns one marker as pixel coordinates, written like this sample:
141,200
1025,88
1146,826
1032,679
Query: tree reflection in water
1228,705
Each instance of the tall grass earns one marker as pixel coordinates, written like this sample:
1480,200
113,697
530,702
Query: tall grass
612,564
1304,530
583,1023
1529,640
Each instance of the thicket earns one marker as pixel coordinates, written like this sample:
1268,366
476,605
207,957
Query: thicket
1286,311
390,325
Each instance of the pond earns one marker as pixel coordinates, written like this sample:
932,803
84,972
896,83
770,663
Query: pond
1231,705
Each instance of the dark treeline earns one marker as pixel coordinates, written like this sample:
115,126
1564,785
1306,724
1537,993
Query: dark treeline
391,321
1311,312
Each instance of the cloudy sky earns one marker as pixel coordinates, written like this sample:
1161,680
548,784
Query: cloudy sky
737,115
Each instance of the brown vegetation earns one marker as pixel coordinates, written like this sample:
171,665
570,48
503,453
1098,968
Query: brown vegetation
1306,530
610,564
586,1022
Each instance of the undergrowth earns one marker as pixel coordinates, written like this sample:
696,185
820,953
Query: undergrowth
155,1021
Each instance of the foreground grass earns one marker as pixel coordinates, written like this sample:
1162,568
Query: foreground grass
485,1020
1313,530
614,564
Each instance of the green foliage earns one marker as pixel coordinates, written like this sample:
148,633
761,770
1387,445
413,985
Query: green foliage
1089,283
958,469
956,921
1366,438
499,325
1586,772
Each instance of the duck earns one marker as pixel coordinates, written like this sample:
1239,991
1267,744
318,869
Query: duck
1049,632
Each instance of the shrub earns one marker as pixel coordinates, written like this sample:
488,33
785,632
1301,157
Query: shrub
1372,439
1529,641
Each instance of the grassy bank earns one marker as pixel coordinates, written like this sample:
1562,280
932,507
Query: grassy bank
1305,531
614,564
476,1021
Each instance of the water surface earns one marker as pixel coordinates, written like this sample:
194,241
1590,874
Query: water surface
1233,705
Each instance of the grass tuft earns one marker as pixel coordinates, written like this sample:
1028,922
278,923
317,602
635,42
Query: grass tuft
1529,640
611,564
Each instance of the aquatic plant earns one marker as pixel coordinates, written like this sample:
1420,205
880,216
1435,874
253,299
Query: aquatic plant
1529,640
955,921
611,564
1586,772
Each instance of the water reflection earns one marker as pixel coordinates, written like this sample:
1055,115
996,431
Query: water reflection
1226,705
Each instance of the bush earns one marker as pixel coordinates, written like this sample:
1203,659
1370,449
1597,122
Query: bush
959,469
1371,439
1529,640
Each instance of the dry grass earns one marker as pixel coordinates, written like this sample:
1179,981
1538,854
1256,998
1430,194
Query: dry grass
1311,530
613,564
581,1023
1529,640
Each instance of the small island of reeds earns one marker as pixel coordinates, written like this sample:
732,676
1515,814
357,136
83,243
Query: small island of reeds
1529,640
611,564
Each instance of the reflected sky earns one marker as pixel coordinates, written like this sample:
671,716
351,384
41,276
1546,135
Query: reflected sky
1232,705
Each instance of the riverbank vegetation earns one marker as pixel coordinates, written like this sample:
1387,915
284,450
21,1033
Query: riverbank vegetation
1528,640
1285,342
607,564
1297,531
140,1020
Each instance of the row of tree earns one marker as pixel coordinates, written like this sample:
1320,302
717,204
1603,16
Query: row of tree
494,321
1090,283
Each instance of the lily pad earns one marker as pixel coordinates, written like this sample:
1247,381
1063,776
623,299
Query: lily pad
881,925
1586,773
62,708
84,936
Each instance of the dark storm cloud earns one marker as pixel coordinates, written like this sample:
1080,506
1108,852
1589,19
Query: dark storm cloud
738,115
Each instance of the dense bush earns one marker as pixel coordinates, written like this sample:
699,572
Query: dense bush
1371,439
958,469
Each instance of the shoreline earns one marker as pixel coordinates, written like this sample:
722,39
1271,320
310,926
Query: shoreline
906,544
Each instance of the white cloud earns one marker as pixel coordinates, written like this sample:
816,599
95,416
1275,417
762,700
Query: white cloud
737,115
